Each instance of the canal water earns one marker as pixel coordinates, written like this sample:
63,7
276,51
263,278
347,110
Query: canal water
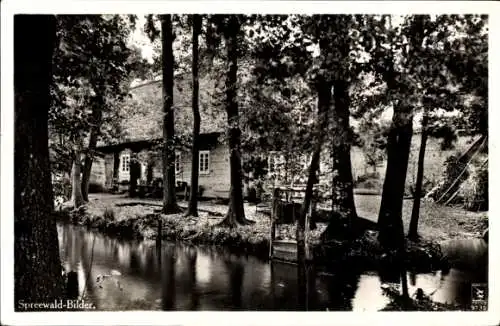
133,275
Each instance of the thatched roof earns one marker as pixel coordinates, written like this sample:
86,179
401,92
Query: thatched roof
142,112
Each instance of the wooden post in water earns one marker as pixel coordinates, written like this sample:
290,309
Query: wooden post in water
158,232
274,217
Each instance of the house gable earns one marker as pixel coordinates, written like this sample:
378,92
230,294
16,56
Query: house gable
142,112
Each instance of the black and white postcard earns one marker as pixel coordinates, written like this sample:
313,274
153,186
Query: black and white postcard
288,161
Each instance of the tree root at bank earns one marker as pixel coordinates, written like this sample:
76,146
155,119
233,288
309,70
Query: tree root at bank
235,218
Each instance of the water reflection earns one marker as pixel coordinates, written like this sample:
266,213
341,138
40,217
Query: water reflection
180,277
168,279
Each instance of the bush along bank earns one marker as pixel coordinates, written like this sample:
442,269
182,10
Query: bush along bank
364,249
175,227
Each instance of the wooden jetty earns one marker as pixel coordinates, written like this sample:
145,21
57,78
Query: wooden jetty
285,210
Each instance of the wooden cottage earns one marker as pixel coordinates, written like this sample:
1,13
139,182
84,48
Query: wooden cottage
142,134
213,165
142,139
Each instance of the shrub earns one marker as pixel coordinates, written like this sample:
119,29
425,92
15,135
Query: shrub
371,184
62,188
410,187
368,181
361,179
453,170
78,214
474,190
109,214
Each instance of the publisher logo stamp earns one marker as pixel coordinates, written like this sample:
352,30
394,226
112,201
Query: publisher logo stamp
479,293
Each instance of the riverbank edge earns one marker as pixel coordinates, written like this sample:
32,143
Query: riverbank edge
422,256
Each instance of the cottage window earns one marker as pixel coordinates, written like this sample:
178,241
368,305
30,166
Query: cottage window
125,162
204,162
177,162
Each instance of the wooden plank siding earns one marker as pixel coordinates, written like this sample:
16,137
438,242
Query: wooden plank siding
98,172
109,161
215,183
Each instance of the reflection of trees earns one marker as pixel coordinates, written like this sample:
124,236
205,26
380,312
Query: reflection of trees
394,271
311,288
236,271
306,287
272,285
388,273
168,279
302,287
135,264
195,297
285,287
158,257
341,287
85,253
64,251
72,251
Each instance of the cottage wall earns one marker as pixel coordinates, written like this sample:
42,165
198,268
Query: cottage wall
97,173
109,161
216,183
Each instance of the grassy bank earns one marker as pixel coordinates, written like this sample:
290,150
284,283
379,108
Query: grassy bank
436,222
128,218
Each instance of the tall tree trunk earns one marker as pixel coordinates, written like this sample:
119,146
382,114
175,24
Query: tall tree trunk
76,172
342,185
89,157
415,212
37,265
169,198
324,103
398,151
236,213
116,166
308,196
87,166
195,160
